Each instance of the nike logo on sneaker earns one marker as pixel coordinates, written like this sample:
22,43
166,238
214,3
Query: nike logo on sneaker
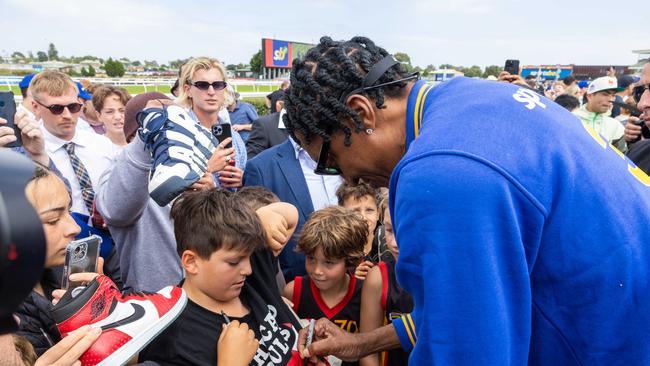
138,313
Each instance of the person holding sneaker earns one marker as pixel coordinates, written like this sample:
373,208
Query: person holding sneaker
202,87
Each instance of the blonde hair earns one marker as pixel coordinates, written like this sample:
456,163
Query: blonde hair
53,83
229,96
189,69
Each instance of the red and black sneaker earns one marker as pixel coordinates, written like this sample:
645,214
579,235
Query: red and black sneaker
128,322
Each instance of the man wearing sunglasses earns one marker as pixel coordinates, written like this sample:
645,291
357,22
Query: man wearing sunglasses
633,129
526,250
81,156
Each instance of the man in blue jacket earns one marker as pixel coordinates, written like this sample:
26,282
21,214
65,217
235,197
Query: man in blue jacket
523,234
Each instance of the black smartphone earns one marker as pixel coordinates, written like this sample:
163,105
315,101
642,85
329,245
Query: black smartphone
222,131
7,111
80,256
512,67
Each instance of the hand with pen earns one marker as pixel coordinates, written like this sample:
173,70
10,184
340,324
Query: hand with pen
237,344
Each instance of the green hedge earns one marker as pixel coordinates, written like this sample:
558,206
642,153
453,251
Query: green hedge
259,104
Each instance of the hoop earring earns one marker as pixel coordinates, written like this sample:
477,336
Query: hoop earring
369,131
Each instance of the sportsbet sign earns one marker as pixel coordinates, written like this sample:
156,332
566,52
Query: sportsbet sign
280,54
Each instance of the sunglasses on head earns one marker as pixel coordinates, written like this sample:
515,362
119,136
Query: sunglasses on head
204,85
58,108
639,90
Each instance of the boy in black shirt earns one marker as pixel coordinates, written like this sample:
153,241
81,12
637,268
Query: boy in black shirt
216,236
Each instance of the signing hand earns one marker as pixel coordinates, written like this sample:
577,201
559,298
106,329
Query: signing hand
237,344
206,182
32,137
329,339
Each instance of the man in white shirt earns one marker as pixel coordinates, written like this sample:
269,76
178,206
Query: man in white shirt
80,156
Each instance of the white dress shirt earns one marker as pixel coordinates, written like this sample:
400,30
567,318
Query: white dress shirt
322,188
95,151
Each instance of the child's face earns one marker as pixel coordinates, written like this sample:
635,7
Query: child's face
390,235
325,272
366,206
222,276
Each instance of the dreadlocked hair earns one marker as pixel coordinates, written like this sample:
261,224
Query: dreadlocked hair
326,73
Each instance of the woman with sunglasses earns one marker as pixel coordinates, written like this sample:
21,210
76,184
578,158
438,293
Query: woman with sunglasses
202,90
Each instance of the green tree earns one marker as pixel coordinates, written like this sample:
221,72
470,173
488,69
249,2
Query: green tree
114,68
492,70
448,66
403,57
473,72
91,71
256,62
231,67
42,56
52,53
30,55
17,56
84,72
136,63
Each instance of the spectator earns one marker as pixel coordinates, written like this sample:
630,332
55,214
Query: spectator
26,104
595,112
109,102
80,156
267,131
242,114
89,119
51,200
202,85
272,98
626,83
640,151
568,102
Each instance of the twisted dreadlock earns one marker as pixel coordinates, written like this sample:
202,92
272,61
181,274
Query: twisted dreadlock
328,71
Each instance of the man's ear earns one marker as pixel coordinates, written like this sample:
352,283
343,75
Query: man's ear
365,108
189,261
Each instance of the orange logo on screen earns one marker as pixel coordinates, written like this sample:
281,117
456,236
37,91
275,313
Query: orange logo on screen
280,54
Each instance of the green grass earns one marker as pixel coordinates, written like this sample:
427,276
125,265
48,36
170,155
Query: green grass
14,88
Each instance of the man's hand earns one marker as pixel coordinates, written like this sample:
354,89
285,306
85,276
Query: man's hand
206,182
32,137
512,79
362,269
221,156
68,351
632,130
84,277
330,339
237,344
231,177
7,135
158,103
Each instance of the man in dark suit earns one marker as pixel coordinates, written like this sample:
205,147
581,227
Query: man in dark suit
282,170
265,133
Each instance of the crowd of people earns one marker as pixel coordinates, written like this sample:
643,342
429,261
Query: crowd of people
474,222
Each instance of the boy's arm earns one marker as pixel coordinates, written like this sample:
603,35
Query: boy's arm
288,291
279,220
371,309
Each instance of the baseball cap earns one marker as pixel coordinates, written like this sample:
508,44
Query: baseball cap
24,83
583,84
83,94
603,83
625,80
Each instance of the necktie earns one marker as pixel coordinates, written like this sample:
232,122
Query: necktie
80,171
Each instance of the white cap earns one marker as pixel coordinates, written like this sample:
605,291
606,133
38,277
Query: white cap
603,83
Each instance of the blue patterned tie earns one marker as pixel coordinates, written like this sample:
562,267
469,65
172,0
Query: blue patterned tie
80,171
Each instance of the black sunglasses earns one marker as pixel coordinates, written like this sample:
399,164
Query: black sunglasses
58,108
638,91
371,77
204,85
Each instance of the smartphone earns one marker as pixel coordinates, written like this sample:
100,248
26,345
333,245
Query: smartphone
222,131
80,256
7,111
512,67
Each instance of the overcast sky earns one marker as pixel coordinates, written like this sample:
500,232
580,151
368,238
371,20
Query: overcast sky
460,32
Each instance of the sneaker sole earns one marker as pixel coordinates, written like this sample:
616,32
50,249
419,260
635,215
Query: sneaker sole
125,353
165,192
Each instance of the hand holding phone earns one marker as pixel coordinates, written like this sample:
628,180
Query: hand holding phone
81,256
512,67
7,112
222,131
